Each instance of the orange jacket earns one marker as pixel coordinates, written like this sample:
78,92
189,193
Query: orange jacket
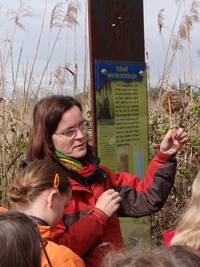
2,209
60,256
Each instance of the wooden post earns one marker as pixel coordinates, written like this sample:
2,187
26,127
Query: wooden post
118,86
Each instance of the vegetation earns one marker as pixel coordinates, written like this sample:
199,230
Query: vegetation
16,111
23,80
188,160
187,116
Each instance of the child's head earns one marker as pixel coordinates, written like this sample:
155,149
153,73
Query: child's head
138,257
41,189
19,241
188,230
174,256
184,256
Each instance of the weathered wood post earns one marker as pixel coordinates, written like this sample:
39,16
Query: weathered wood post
119,91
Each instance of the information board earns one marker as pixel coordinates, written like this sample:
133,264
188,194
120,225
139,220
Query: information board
121,116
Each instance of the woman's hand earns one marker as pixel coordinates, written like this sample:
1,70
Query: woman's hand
109,202
173,141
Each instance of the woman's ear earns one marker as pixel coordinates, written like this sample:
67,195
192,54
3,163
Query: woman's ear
51,198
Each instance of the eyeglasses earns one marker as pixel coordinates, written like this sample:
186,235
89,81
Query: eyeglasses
71,133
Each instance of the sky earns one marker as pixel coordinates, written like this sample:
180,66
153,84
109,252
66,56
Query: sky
67,50
156,44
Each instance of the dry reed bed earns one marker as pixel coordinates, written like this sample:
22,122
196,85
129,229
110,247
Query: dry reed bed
15,122
15,115
188,159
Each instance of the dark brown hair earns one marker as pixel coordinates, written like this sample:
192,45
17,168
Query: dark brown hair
35,178
19,241
47,114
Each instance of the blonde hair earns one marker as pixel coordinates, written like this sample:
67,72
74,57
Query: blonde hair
38,176
188,228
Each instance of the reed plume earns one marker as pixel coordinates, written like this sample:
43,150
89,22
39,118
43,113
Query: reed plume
62,16
161,19
171,103
23,11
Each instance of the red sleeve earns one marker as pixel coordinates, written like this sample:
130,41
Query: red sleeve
83,234
136,182
143,197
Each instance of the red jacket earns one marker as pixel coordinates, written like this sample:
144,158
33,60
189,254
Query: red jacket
89,232
168,236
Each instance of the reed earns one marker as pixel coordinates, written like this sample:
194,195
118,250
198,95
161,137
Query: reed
180,40
24,86
16,112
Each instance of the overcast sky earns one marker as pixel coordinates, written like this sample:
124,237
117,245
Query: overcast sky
65,51
156,44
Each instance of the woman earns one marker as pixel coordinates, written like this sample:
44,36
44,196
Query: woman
188,231
19,240
91,225
42,191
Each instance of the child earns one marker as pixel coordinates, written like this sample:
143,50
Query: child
174,256
187,231
19,240
42,191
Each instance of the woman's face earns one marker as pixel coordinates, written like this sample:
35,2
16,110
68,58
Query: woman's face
70,135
